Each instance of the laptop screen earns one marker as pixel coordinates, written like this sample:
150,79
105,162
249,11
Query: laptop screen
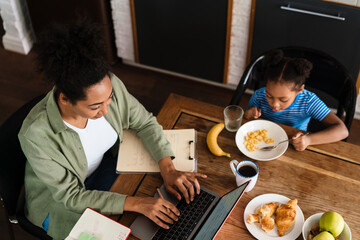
220,213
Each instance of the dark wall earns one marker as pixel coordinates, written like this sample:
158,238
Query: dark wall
183,36
275,27
43,12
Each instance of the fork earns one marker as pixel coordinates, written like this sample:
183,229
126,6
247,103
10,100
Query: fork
269,148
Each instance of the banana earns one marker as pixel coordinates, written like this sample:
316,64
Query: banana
211,140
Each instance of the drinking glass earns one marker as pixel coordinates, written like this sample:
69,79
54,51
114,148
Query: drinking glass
233,115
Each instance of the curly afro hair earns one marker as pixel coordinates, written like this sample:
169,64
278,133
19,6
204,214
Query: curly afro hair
287,70
70,56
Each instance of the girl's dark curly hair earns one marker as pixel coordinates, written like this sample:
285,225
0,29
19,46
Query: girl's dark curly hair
286,70
70,56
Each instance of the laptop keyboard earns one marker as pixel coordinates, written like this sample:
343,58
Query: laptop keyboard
190,214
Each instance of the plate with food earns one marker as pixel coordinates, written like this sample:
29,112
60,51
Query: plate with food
274,217
254,135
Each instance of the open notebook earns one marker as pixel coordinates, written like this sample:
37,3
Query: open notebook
134,158
97,226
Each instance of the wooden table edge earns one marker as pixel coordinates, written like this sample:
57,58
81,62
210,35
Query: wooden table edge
176,104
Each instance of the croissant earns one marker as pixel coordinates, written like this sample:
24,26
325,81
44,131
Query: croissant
252,218
267,210
285,216
267,224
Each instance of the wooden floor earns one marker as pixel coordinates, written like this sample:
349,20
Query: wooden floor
19,82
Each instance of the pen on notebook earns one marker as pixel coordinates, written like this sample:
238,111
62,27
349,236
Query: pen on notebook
158,190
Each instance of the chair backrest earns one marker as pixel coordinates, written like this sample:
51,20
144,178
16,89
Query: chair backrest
329,79
12,162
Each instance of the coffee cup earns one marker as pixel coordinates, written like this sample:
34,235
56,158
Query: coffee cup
245,171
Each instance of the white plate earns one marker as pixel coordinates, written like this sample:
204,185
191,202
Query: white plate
255,229
274,131
310,221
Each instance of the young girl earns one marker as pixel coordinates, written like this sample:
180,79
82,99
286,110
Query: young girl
284,100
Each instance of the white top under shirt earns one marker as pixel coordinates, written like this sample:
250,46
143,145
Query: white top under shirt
96,138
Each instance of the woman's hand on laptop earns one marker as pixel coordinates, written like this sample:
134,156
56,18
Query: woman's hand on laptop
158,210
176,181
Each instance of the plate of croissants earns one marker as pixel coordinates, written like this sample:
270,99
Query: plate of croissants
273,216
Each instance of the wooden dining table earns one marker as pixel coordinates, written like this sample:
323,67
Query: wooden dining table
323,177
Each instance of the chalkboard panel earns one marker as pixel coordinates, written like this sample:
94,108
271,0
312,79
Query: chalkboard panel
183,36
275,27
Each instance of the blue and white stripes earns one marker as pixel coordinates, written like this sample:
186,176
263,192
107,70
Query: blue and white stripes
305,106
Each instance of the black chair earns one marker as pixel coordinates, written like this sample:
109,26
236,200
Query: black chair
329,79
12,167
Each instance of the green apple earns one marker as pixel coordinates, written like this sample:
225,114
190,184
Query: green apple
332,222
324,236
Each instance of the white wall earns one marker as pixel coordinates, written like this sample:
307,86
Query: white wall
19,35
239,39
123,29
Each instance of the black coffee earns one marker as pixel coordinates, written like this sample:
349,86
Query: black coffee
247,171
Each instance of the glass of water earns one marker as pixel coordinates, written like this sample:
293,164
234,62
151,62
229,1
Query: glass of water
233,115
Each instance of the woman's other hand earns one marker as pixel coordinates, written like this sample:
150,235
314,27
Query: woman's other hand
252,113
179,183
158,210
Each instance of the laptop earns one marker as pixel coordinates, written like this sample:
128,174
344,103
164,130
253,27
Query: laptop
201,219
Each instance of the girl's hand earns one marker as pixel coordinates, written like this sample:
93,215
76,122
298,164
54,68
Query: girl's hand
177,182
158,210
300,141
252,113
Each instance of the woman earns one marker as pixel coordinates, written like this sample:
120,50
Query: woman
68,135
